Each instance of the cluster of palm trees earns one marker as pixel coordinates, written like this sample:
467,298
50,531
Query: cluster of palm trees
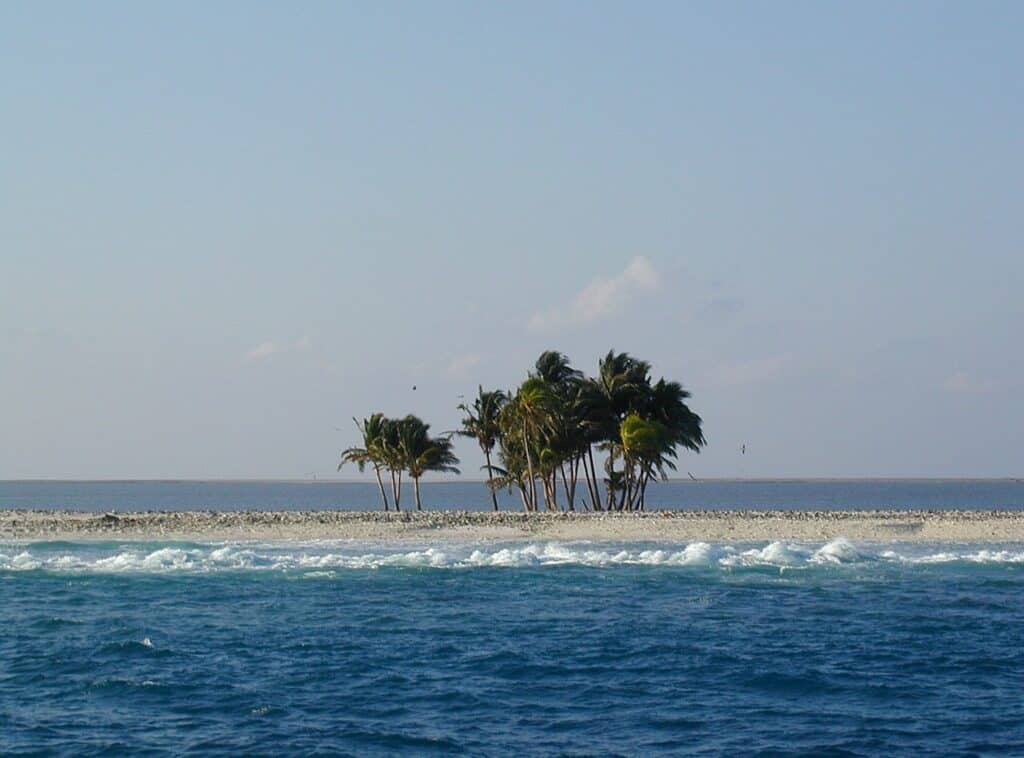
399,446
546,431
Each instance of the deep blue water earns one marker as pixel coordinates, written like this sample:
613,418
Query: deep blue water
742,495
511,649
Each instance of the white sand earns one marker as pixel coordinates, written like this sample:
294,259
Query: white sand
712,526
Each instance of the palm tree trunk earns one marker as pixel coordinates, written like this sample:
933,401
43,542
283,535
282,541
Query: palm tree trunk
590,482
396,488
565,486
625,501
573,480
416,486
380,484
592,477
553,488
490,476
529,468
627,485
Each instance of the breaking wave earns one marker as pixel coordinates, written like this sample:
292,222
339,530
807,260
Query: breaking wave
319,559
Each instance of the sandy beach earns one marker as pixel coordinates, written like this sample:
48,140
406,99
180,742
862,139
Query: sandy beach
959,526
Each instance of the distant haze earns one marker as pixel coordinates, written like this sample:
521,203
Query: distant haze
226,229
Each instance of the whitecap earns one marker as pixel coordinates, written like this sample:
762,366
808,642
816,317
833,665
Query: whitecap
839,550
324,558
25,562
772,554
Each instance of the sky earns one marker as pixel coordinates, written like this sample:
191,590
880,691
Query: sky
226,229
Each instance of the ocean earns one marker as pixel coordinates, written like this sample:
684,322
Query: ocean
512,648
809,494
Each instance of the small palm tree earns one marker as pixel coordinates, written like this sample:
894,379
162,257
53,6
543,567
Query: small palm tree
648,448
481,423
422,453
372,452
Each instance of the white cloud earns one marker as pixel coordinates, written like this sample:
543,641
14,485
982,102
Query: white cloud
263,350
460,366
269,348
601,298
964,384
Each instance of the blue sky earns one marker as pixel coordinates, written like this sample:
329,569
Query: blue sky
225,230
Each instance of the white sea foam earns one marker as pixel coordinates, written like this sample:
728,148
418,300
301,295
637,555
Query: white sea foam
326,558
839,550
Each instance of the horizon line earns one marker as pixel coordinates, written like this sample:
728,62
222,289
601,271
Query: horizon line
685,480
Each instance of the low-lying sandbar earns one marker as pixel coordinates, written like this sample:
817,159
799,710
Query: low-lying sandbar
710,526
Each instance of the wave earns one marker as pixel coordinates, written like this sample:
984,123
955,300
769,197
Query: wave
316,560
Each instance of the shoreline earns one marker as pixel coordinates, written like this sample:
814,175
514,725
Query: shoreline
684,525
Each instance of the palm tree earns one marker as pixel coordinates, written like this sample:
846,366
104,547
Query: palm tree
392,455
594,420
648,448
527,415
622,379
554,368
545,430
666,403
481,423
372,431
562,444
422,453
623,382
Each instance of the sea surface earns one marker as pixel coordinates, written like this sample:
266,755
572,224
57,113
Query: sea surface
473,496
518,648
369,648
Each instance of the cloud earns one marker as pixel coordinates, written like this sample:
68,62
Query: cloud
269,348
601,298
757,371
963,383
460,366
263,350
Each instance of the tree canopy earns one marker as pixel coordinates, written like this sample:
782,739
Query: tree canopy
545,432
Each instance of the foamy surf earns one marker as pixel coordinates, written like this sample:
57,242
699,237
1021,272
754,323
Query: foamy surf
319,559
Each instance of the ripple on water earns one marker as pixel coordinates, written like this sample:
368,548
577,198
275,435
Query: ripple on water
550,649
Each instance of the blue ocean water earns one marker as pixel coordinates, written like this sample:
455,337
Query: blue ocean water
712,494
518,648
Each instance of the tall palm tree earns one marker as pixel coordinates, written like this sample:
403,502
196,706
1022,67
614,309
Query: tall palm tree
372,453
666,403
562,449
595,423
392,454
481,423
528,415
623,381
554,368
